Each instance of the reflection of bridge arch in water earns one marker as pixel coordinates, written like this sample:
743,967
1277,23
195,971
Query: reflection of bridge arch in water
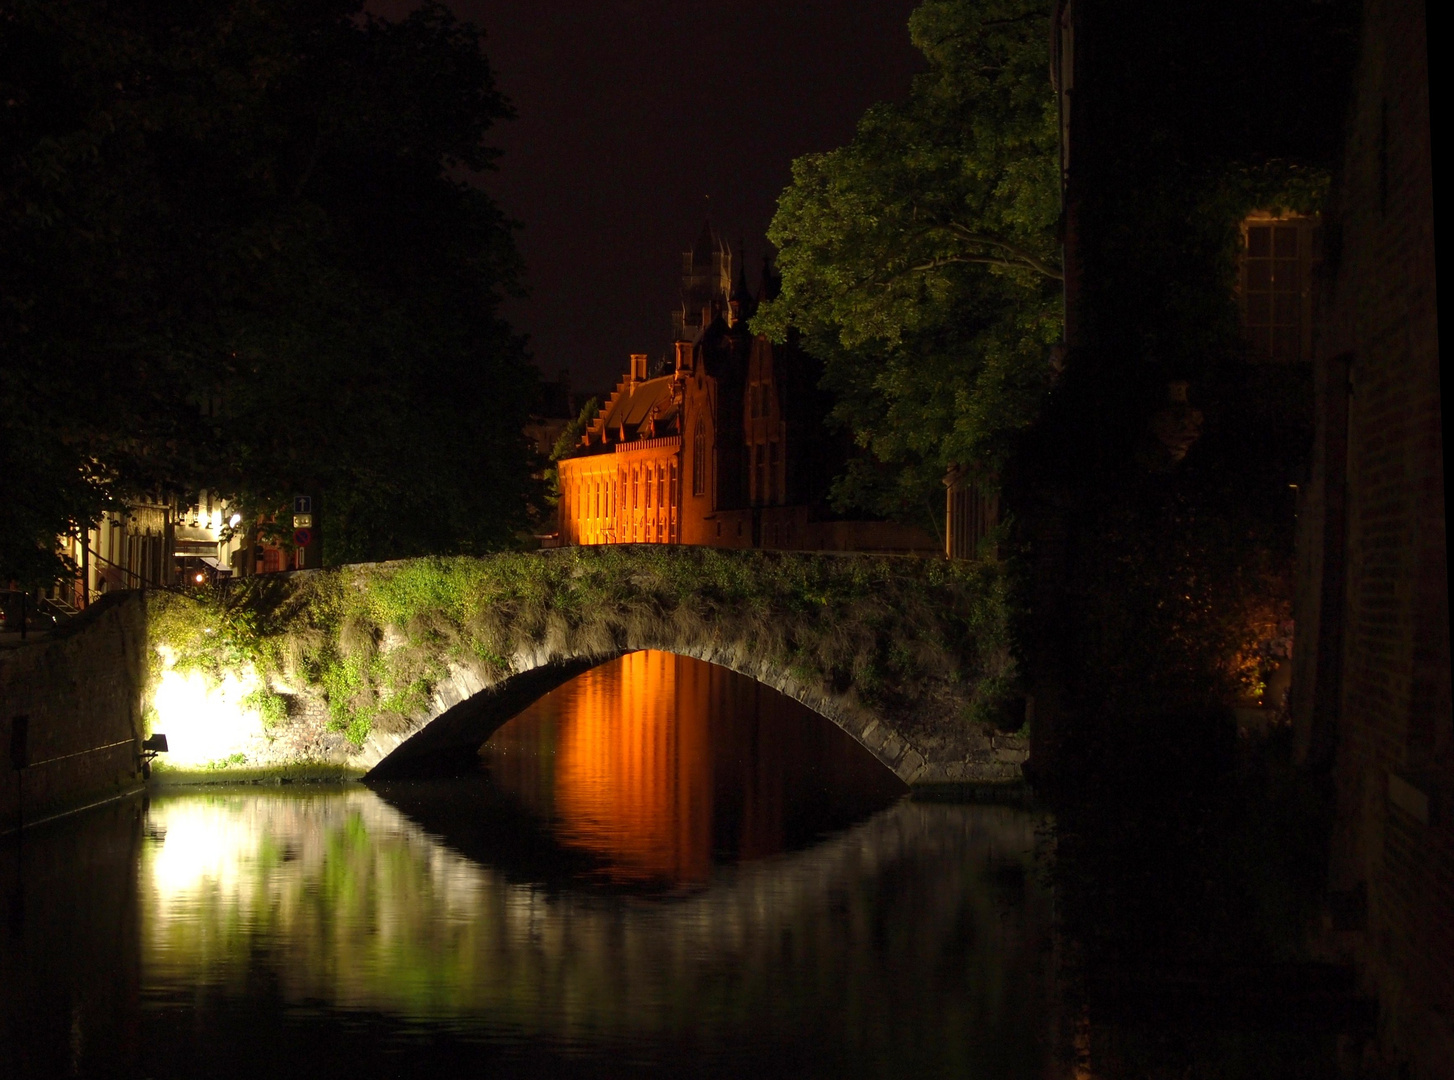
349,897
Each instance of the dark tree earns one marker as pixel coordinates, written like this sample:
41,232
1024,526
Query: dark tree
920,261
1161,578
240,251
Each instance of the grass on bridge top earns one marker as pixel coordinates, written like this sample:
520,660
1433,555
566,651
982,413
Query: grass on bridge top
927,641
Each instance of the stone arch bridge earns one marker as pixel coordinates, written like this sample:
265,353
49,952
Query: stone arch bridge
394,668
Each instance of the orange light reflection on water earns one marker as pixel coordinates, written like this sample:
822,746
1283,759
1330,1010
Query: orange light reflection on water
656,763
632,773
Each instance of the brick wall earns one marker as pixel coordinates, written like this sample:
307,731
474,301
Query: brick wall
81,692
1372,694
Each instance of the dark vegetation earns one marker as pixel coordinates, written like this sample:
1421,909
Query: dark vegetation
921,261
1189,870
1149,585
239,251
1156,580
1190,863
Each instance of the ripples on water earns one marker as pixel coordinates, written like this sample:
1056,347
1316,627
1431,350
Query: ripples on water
666,869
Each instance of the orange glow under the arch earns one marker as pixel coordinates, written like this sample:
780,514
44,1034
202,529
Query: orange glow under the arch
620,765
654,761
632,772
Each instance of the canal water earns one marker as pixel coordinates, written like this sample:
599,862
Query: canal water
661,868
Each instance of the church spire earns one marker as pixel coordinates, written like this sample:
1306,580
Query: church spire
707,244
742,304
706,284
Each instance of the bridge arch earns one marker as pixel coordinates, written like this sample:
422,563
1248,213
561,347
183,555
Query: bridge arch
465,712
378,668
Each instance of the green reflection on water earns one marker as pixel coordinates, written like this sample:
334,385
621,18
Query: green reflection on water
919,935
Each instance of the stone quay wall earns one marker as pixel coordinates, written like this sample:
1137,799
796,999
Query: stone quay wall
76,694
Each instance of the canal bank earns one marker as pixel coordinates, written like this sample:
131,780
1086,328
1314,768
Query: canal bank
660,868
70,713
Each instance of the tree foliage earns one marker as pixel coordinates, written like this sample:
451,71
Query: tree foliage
920,261
571,434
238,250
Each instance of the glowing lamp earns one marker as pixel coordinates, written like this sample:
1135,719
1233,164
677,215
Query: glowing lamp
206,720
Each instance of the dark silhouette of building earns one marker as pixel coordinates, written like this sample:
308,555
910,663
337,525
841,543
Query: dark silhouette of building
1370,695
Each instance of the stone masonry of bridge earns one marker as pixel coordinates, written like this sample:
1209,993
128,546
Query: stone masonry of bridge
397,668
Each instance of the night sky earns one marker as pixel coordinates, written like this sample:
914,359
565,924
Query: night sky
631,113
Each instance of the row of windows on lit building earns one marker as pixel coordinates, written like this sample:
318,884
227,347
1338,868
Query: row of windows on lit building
623,503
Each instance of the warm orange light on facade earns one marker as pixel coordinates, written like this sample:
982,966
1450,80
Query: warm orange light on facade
627,489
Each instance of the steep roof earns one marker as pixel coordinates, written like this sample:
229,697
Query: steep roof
634,408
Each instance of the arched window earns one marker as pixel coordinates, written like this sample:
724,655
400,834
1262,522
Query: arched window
699,459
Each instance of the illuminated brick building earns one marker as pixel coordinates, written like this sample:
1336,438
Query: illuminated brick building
722,444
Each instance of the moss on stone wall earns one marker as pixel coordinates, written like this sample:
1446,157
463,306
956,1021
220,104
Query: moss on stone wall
924,641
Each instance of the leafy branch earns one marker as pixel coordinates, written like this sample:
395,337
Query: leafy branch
1017,256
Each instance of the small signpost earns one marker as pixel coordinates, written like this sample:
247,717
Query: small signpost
305,533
